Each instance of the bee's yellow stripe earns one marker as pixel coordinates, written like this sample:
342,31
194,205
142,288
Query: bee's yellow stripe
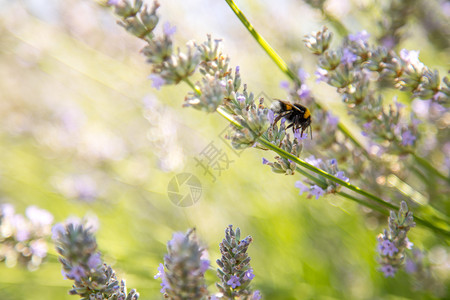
288,107
307,114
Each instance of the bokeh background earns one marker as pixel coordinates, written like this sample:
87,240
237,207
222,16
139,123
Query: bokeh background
82,132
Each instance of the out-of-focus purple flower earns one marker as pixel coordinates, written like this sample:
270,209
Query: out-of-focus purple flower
388,270
408,138
299,136
399,105
234,282
264,161
302,75
7,210
316,191
348,57
388,42
204,265
386,247
312,160
58,230
409,245
237,70
94,261
284,84
158,81
332,120
410,266
411,57
303,91
270,116
248,275
168,31
22,228
341,176
39,248
77,273
362,36
303,188
114,2
367,127
240,98
333,161
177,239
256,295
161,274
321,75
283,120
38,216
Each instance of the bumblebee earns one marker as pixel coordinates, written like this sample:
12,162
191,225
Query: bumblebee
296,114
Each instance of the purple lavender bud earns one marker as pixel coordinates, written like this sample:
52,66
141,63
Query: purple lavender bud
341,175
57,230
321,75
317,191
302,74
348,57
299,136
362,36
410,266
284,84
388,270
408,138
168,31
38,248
303,91
265,161
76,273
38,216
158,81
234,281
240,98
270,116
332,120
303,188
248,275
256,295
94,261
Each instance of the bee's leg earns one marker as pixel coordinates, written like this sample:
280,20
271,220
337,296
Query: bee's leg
275,121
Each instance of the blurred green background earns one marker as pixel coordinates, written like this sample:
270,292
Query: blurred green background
82,132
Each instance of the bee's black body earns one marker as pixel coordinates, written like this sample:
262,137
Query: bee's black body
296,114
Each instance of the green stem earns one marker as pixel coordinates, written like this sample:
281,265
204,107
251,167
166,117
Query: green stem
426,164
343,183
262,42
280,62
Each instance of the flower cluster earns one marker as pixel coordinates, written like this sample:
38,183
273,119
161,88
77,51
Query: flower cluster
392,243
82,263
169,67
322,185
184,267
235,271
23,239
182,273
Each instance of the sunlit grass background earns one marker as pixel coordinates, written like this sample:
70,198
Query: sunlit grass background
75,102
